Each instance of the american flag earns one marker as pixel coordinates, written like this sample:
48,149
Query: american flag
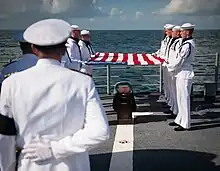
127,58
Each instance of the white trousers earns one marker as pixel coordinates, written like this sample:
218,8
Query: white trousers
174,107
167,86
183,90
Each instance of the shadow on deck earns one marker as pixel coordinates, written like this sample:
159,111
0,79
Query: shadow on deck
160,160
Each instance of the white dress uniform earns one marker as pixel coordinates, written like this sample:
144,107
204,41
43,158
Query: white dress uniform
163,54
184,77
72,58
87,51
56,105
173,52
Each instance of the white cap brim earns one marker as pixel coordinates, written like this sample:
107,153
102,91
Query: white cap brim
176,28
48,32
84,32
187,26
169,26
75,27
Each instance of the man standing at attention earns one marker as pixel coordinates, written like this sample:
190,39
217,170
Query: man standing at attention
184,77
162,53
172,53
86,50
52,114
73,55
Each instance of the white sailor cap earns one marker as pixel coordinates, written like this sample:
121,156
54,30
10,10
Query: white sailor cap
176,28
169,26
84,32
19,37
187,26
48,32
75,27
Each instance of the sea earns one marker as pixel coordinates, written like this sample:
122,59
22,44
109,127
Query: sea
144,78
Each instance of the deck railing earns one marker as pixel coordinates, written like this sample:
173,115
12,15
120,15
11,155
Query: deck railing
104,75
109,75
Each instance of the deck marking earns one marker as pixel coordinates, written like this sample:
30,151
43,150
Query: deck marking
122,153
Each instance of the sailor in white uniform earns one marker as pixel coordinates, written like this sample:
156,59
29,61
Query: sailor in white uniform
86,50
172,53
166,76
162,53
183,69
54,115
27,60
72,58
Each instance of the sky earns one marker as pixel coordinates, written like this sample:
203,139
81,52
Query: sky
112,14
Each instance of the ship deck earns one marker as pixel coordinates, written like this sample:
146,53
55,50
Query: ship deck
150,144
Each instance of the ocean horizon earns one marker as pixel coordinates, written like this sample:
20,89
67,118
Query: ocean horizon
133,41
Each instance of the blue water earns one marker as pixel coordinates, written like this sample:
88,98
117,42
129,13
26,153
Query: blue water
144,41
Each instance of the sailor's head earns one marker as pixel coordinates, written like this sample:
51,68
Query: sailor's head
187,30
48,38
168,29
24,45
176,32
75,31
85,35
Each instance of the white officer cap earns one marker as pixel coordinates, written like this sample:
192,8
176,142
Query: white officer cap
176,28
187,26
84,32
75,27
169,26
48,32
19,37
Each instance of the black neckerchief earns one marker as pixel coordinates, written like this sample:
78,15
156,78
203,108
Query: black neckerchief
167,45
189,38
190,45
172,41
88,45
75,39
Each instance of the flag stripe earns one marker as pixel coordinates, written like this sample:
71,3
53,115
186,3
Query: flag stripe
129,58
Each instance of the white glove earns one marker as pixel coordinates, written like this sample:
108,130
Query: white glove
164,64
38,150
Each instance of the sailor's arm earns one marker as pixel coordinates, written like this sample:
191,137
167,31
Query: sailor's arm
157,53
181,57
95,131
7,130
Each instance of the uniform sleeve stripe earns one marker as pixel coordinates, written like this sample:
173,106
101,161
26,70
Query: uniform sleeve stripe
7,126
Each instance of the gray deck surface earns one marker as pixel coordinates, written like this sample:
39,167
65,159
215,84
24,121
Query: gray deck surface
157,147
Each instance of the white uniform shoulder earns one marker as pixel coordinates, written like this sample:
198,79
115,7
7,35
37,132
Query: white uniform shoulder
70,42
81,43
188,42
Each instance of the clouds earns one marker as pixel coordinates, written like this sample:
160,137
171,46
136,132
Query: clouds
116,12
139,15
191,7
78,8
28,11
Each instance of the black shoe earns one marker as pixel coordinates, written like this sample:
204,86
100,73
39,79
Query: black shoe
179,128
173,124
172,116
166,106
168,112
